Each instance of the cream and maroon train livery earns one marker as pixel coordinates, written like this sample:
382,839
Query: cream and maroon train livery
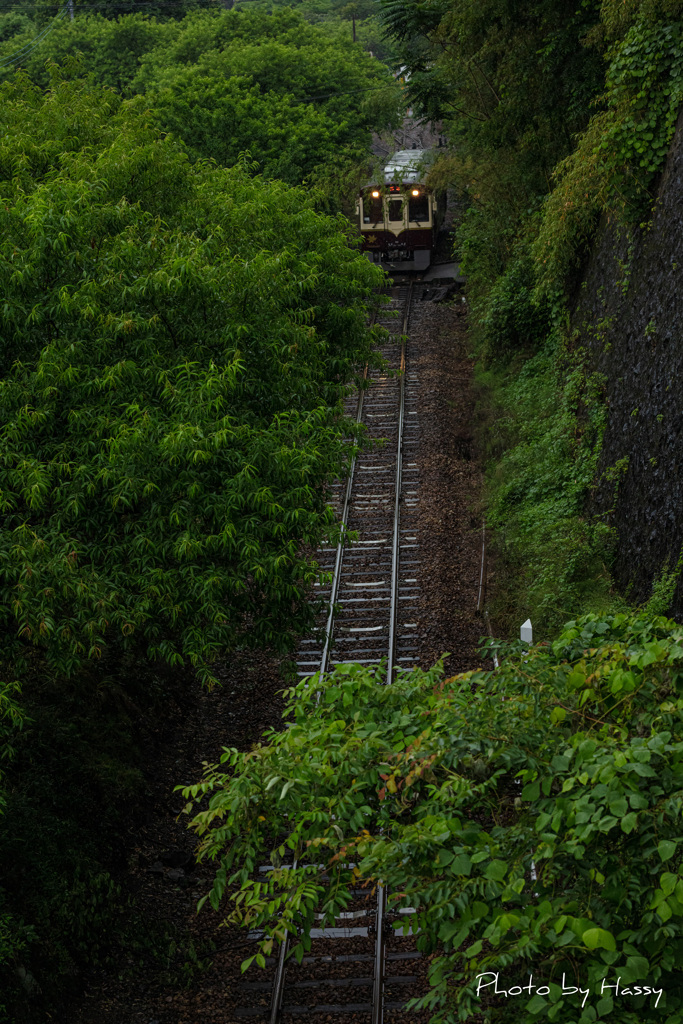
399,217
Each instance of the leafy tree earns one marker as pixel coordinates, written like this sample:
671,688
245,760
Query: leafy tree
162,10
531,816
176,341
112,49
13,24
510,70
302,102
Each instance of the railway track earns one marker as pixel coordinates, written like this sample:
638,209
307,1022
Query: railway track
362,969
376,579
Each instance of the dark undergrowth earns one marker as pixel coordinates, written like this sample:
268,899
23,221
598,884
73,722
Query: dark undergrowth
540,421
78,783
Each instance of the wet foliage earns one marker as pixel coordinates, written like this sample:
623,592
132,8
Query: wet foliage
530,816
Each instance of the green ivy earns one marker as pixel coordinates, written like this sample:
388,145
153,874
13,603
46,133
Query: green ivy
645,87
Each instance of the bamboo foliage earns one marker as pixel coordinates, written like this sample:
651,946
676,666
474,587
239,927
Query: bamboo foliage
176,340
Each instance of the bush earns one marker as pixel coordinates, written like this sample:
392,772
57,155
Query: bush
514,321
176,343
531,816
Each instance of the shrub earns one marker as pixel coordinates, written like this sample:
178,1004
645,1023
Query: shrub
515,320
531,816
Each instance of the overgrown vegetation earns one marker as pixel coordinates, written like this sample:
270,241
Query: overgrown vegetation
542,442
178,330
300,99
177,338
531,816
558,115
75,786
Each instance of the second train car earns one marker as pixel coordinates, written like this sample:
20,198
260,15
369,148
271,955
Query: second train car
399,216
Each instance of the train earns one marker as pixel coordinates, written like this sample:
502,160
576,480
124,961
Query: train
399,217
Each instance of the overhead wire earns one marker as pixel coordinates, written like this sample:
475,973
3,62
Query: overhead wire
135,6
29,47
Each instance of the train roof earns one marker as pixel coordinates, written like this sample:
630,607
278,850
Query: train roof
408,166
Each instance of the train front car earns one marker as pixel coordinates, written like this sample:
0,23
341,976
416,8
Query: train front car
399,217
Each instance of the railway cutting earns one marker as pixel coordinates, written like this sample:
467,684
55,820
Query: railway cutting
357,965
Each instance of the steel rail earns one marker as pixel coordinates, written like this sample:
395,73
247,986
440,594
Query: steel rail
379,964
481,607
378,979
393,606
336,575
279,983
482,572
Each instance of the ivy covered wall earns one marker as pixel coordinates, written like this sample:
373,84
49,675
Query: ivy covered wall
629,314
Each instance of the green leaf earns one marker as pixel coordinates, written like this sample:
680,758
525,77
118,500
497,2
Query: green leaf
598,938
560,762
496,870
629,822
531,791
618,807
451,931
536,1004
664,911
639,965
461,865
507,921
668,882
666,848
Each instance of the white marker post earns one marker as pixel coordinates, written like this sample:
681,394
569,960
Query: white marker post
526,635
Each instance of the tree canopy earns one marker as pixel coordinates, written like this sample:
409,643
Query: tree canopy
176,339
531,816
302,102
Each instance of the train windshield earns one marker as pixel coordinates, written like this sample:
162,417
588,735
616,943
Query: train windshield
395,209
372,210
418,207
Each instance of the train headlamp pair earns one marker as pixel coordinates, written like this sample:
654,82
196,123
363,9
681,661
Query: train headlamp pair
375,194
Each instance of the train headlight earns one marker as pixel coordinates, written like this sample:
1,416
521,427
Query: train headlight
416,191
375,195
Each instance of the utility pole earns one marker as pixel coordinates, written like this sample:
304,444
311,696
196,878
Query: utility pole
353,22
71,10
